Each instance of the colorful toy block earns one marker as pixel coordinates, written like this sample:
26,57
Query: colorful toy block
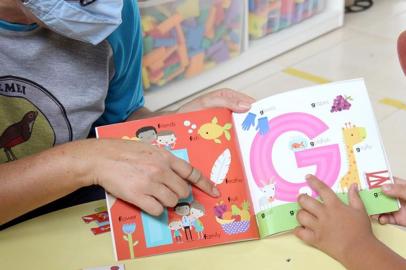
269,16
183,38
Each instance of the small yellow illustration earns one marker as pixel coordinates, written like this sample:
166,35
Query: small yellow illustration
213,131
130,138
353,135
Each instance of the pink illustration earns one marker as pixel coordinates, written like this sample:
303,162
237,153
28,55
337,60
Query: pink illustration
327,158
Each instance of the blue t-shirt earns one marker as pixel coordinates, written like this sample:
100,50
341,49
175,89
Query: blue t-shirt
125,91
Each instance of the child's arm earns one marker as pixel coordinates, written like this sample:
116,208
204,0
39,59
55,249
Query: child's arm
343,232
138,173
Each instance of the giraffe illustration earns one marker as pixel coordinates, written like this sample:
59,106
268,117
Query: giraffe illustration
353,135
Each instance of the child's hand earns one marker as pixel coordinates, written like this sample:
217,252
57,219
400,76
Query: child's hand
397,190
402,50
332,226
227,98
139,173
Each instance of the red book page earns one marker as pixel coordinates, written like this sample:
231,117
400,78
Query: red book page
206,139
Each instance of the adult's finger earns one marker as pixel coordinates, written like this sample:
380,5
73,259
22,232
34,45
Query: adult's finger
184,170
306,219
176,184
149,204
311,205
163,194
354,199
326,194
233,100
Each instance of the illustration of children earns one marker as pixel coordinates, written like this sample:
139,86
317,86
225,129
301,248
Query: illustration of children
147,134
167,139
176,227
196,212
183,210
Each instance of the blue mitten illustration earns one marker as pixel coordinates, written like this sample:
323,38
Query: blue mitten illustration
263,125
249,121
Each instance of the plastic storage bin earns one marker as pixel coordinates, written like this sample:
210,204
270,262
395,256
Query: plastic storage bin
269,16
183,38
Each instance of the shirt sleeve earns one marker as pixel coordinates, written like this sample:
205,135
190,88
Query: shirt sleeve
125,94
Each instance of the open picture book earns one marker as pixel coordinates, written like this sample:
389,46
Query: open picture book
258,160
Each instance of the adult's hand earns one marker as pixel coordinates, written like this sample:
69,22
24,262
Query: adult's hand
226,98
146,176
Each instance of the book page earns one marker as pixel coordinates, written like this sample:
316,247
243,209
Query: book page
327,130
205,139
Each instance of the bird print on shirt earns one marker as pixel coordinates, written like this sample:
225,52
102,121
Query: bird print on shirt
17,133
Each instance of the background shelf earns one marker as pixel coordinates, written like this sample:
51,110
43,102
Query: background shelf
257,51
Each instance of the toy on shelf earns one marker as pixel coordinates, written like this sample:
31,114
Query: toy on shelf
183,38
270,16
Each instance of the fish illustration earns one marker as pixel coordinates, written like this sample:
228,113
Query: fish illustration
298,145
213,131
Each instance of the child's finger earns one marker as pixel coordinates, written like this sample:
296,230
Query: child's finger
387,219
322,189
399,181
354,199
395,190
305,234
383,219
310,204
306,219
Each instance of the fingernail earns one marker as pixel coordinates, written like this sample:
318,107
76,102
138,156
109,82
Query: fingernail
308,176
387,187
382,220
215,192
244,105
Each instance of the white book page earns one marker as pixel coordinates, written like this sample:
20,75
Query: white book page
310,131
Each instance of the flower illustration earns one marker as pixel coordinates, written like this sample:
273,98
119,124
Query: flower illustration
129,228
